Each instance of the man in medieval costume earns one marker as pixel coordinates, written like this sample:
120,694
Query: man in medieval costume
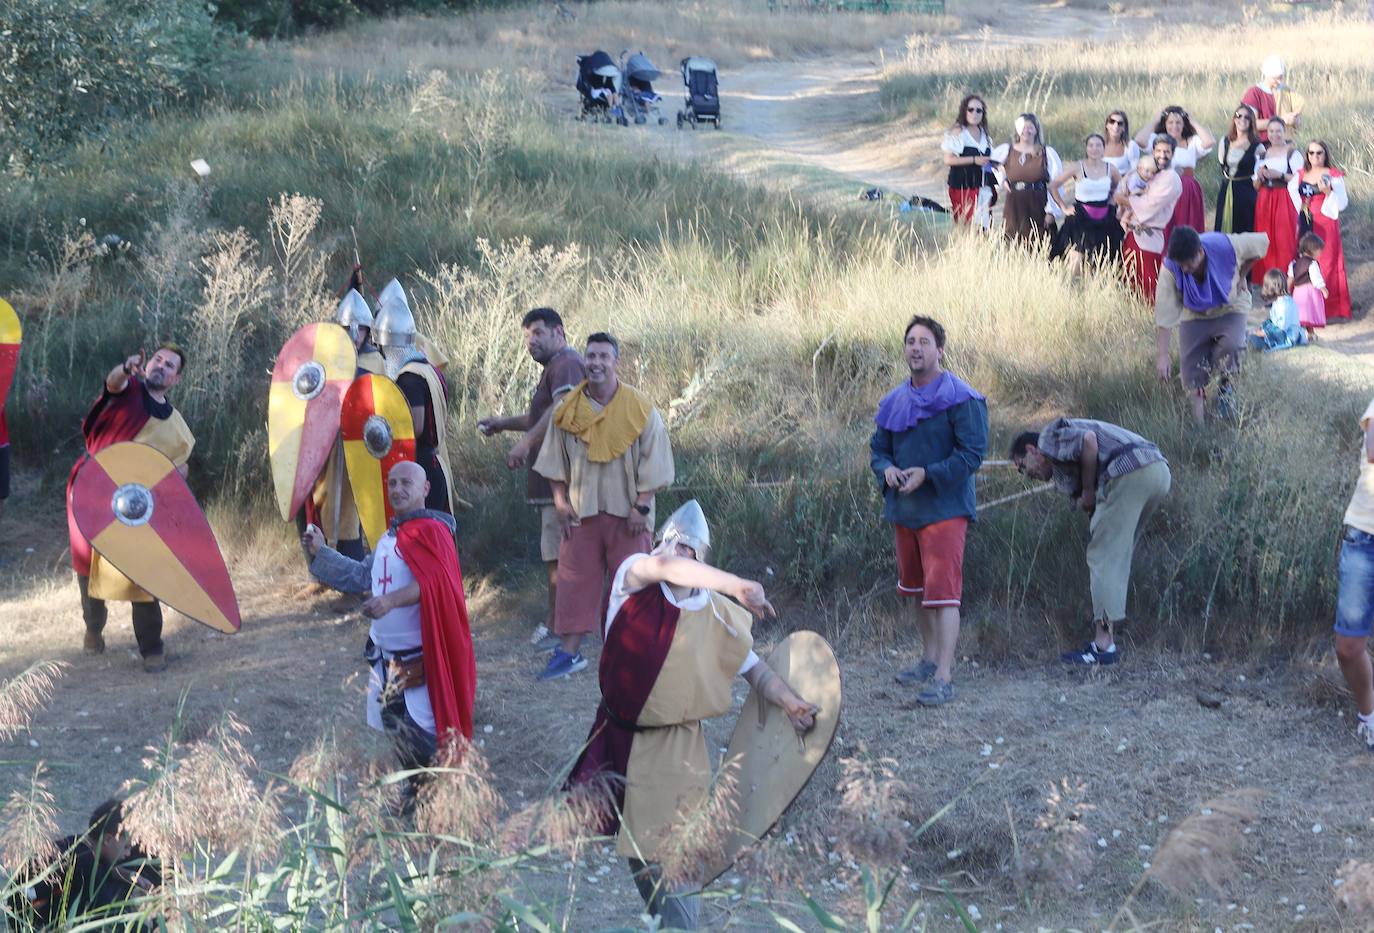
674,645
423,676
133,406
331,504
420,382
606,455
561,370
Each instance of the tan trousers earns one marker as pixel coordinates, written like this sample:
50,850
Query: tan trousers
1116,524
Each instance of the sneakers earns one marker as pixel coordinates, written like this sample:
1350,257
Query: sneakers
936,693
154,663
917,674
1091,656
1365,730
562,664
93,643
543,640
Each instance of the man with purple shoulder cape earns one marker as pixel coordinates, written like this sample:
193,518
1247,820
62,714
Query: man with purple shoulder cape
1204,292
931,437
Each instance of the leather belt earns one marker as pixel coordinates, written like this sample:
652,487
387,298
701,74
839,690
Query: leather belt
1028,186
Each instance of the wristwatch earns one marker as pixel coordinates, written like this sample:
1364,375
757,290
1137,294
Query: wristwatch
642,509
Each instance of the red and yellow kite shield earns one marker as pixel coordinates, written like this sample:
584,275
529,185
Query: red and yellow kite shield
312,373
378,433
10,334
138,513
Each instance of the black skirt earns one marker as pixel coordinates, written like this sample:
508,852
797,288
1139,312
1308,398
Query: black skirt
1095,239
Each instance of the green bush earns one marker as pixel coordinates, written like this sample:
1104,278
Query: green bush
70,70
280,18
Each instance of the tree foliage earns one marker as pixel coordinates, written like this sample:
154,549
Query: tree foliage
70,69
276,18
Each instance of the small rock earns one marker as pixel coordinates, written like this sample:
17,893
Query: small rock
1101,843
973,912
33,743
1208,699
488,729
1316,827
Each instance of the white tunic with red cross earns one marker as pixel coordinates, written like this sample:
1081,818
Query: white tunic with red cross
396,632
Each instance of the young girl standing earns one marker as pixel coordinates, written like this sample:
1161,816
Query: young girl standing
1307,284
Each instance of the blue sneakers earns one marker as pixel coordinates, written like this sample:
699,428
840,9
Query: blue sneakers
1091,656
562,664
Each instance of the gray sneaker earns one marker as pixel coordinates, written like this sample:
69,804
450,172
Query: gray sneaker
918,674
936,693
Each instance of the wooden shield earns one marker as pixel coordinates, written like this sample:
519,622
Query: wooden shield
10,334
378,433
138,513
312,373
772,765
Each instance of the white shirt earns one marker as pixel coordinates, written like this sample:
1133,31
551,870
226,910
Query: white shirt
1125,163
1091,190
1276,163
398,630
955,143
694,600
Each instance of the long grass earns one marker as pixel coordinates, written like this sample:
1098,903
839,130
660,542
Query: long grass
765,330
1072,85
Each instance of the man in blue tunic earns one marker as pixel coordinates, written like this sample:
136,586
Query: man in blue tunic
931,437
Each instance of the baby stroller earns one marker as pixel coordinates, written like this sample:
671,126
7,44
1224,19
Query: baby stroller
641,101
598,81
703,93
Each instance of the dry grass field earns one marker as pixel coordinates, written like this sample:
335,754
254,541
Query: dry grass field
1205,784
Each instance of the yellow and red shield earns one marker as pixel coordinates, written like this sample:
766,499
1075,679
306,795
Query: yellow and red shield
378,433
138,513
10,334
312,373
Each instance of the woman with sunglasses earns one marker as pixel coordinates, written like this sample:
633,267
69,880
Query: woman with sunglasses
1191,142
1318,193
1119,149
1237,154
968,150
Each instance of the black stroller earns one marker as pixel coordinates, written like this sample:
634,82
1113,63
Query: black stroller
703,93
598,82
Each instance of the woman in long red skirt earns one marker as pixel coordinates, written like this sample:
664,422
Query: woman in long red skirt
1275,213
1317,193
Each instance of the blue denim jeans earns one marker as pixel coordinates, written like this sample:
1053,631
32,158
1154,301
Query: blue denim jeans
1355,595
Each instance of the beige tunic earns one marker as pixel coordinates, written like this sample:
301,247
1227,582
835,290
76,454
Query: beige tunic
669,773
1169,309
645,466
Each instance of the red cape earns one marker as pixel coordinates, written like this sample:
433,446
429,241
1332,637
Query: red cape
450,666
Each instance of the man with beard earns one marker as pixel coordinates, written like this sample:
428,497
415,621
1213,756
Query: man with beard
1204,294
423,676
562,370
132,407
606,455
931,437
424,389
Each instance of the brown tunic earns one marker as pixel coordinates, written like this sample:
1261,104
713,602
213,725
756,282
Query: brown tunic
1024,212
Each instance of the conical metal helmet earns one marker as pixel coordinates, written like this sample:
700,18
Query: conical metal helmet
688,525
394,325
353,311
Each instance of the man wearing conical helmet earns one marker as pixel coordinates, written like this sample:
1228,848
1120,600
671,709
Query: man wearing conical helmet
606,455
424,389
674,645
331,504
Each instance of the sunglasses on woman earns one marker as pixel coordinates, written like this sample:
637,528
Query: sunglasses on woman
975,110
1242,116
1113,121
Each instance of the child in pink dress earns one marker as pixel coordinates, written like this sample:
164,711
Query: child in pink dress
1307,285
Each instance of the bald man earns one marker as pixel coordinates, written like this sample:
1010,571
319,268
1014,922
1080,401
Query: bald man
423,676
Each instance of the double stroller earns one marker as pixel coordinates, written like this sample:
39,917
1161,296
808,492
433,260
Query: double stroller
599,84
703,93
